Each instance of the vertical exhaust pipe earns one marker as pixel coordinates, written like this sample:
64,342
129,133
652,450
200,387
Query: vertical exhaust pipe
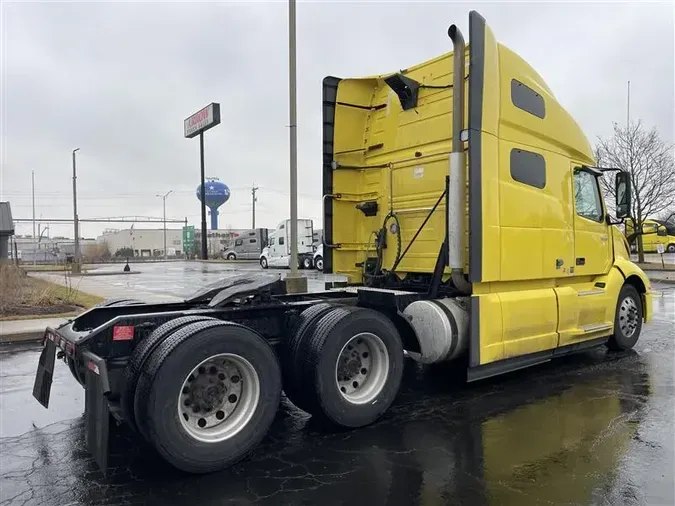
456,208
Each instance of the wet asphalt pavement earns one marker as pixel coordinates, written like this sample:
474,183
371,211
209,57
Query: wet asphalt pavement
594,428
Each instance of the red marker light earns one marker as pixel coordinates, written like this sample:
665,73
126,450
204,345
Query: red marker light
123,332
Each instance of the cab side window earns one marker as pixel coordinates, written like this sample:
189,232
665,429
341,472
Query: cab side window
238,242
587,200
281,241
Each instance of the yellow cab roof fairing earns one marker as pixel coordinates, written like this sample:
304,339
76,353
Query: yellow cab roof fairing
368,131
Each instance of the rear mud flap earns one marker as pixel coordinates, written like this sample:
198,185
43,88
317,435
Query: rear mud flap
96,410
45,373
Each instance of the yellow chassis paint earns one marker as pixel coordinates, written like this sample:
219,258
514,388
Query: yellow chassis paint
544,272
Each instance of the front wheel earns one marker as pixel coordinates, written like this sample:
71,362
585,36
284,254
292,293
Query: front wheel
318,263
263,263
231,256
671,248
627,320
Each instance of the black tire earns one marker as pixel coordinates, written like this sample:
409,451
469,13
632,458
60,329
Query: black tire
162,381
671,248
318,262
320,355
627,320
263,262
231,256
291,360
141,354
306,263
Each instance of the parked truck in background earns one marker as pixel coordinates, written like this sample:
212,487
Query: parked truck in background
654,233
277,253
481,235
248,245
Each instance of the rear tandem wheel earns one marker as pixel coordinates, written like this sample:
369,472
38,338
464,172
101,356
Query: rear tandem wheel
349,366
208,395
141,354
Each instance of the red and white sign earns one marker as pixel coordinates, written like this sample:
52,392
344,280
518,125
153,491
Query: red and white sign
202,120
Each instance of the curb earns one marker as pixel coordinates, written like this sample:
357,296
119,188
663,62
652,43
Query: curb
664,281
21,337
93,273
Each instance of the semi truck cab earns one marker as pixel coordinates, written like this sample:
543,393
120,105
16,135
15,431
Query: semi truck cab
465,177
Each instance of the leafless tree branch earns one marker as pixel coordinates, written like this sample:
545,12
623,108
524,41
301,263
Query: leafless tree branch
649,161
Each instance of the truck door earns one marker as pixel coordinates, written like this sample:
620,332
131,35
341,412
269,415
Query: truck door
592,236
252,248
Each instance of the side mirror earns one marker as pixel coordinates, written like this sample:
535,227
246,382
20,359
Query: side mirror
622,191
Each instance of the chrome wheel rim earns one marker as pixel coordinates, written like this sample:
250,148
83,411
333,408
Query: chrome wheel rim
319,265
218,398
628,316
362,368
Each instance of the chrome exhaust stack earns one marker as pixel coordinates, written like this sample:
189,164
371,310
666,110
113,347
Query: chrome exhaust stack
456,208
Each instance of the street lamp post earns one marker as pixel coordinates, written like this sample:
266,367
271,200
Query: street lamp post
163,197
76,228
294,282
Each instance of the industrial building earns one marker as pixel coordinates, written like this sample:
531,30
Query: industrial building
149,242
6,229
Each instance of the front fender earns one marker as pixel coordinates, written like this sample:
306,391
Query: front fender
636,277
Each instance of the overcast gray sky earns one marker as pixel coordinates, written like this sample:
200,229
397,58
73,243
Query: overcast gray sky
117,80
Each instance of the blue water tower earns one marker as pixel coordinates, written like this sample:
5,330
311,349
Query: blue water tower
216,193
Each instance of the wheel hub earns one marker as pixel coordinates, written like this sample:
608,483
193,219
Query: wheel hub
216,395
628,316
362,368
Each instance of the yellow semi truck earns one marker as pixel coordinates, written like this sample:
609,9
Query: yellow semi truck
463,205
654,233
480,189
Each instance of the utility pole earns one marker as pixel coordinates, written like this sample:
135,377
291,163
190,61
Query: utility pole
628,107
163,197
35,244
254,200
294,282
76,228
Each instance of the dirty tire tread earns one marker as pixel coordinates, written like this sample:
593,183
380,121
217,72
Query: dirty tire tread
617,341
291,358
141,353
320,365
151,365
165,432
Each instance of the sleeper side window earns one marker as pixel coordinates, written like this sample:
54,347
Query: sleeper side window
587,200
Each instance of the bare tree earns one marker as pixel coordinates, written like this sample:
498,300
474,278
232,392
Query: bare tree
649,161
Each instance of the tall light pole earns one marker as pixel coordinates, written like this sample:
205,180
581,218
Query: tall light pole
163,197
294,282
254,199
35,241
76,227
